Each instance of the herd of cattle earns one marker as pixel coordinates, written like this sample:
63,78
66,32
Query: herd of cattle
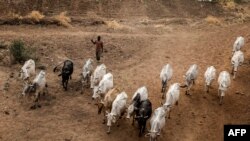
113,102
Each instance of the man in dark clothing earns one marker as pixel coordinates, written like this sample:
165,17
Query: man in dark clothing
99,47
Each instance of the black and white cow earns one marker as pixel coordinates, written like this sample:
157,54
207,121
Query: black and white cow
140,95
66,72
143,114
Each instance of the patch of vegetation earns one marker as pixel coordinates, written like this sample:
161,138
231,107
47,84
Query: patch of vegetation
113,24
63,19
20,53
36,16
213,20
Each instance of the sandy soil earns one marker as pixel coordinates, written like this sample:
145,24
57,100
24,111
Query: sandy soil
135,59
135,54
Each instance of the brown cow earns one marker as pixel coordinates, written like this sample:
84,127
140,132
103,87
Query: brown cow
106,104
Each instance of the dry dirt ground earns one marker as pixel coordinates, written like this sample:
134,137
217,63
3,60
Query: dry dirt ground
135,54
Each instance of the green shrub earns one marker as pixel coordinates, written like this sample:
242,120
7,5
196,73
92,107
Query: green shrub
20,53
17,50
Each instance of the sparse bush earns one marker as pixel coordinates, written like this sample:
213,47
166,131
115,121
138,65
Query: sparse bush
35,15
63,19
20,53
113,24
212,20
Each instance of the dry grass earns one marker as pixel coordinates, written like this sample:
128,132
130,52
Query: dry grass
213,20
229,5
35,15
15,16
113,24
63,19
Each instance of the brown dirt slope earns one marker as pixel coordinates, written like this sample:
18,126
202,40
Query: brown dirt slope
113,8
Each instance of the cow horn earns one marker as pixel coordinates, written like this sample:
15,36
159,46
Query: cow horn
147,135
183,86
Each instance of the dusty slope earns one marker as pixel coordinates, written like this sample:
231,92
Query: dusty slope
135,60
113,8
135,55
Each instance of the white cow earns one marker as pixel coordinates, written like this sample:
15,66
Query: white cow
39,85
99,72
86,73
104,86
28,70
224,82
238,44
157,122
190,77
118,109
209,76
172,96
140,95
166,75
237,60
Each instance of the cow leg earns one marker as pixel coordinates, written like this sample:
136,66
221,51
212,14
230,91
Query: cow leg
169,113
218,93
140,129
177,102
232,72
221,100
36,105
133,122
117,122
66,85
143,127
234,75
189,87
82,85
91,81
46,88
88,80
164,86
25,89
104,115
108,132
